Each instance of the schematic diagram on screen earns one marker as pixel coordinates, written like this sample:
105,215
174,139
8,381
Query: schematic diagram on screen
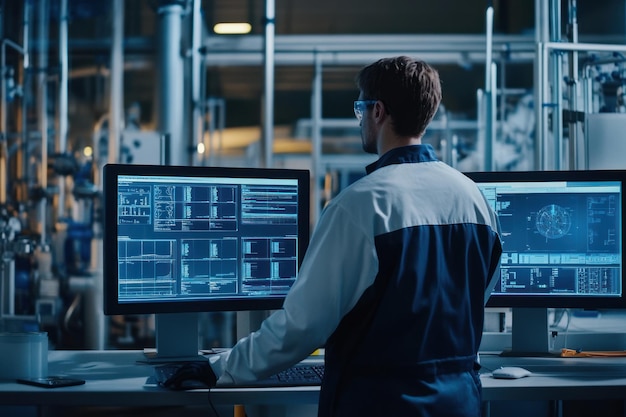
563,242
201,238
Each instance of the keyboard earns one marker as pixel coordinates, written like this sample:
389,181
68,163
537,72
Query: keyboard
298,375
301,374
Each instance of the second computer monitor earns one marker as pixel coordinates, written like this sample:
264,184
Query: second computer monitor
562,235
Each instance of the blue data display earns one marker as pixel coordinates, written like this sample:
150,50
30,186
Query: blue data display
203,238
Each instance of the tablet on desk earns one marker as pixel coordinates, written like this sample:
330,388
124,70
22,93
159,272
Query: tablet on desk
51,381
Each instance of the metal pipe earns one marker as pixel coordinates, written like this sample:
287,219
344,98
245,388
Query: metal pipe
585,47
7,283
491,138
63,100
489,47
316,140
544,105
171,83
221,123
4,152
481,119
116,84
490,92
42,100
197,68
573,84
543,25
555,20
4,172
267,142
557,112
20,160
588,103
211,105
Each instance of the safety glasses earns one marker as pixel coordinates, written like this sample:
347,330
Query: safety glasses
360,106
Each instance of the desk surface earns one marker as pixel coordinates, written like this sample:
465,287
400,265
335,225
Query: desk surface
115,378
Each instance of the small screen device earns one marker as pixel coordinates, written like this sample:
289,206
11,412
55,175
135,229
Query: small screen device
51,381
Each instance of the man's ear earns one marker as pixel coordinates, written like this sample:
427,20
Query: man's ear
379,111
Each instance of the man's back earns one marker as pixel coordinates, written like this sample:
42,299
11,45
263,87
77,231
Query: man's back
410,342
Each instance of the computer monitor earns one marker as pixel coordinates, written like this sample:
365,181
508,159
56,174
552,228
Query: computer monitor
562,237
179,240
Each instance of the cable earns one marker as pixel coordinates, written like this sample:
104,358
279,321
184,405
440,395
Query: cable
212,405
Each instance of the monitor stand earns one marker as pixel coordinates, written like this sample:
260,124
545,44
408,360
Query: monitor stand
529,333
176,336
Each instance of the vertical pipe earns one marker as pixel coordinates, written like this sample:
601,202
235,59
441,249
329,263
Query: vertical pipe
268,86
573,86
491,137
544,104
481,118
554,78
63,99
557,112
490,93
541,36
221,124
42,113
197,67
212,105
116,81
171,83
316,138
539,88
588,103
4,155
202,158
489,47
21,166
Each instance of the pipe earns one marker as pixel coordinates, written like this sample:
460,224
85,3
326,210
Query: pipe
268,87
117,80
316,140
171,82
490,93
197,68
542,35
4,153
489,47
573,84
491,116
63,100
21,165
42,100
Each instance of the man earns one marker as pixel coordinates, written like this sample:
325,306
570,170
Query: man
394,278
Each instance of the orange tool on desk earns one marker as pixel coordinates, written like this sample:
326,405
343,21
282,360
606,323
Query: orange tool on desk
574,353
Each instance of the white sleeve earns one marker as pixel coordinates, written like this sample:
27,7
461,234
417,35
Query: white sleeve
339,265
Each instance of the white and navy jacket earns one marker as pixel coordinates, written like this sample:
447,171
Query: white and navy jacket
392,285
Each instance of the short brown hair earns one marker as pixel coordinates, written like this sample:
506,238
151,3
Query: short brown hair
410,90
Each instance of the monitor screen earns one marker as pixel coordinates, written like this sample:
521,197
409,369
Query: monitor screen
191,239
562,236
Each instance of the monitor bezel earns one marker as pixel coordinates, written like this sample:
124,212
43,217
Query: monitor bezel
111,173
565,301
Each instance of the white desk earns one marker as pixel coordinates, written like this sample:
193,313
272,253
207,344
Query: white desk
556,379
115,379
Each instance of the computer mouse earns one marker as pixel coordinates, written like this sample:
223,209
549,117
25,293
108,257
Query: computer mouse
191,375
511,372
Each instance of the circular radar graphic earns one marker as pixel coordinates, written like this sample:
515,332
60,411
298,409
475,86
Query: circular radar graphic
553,221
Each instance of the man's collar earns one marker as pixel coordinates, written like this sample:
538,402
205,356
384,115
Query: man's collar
404,155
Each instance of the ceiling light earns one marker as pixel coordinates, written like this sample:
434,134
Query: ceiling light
232,28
